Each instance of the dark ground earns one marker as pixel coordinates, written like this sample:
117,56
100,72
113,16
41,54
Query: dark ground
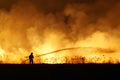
59,71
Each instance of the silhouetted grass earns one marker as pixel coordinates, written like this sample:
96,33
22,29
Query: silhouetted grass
73,60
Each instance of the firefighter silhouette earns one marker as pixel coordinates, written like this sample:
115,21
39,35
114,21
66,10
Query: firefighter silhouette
31,58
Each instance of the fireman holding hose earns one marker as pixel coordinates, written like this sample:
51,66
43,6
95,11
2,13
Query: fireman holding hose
31,58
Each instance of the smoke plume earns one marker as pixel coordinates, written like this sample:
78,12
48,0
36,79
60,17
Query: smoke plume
45,26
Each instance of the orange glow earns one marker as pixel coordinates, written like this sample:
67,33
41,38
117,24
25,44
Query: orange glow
72,36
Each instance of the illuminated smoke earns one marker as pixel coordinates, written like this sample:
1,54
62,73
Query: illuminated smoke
26,26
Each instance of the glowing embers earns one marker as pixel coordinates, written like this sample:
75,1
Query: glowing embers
78,56
79,60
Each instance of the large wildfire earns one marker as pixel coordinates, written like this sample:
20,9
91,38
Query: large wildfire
81,31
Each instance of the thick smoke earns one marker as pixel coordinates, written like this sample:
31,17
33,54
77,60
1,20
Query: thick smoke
44,26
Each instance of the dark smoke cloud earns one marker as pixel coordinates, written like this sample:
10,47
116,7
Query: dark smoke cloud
45,5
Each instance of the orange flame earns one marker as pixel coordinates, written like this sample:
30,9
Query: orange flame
72,36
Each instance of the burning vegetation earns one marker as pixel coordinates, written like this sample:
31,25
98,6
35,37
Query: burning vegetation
70,31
